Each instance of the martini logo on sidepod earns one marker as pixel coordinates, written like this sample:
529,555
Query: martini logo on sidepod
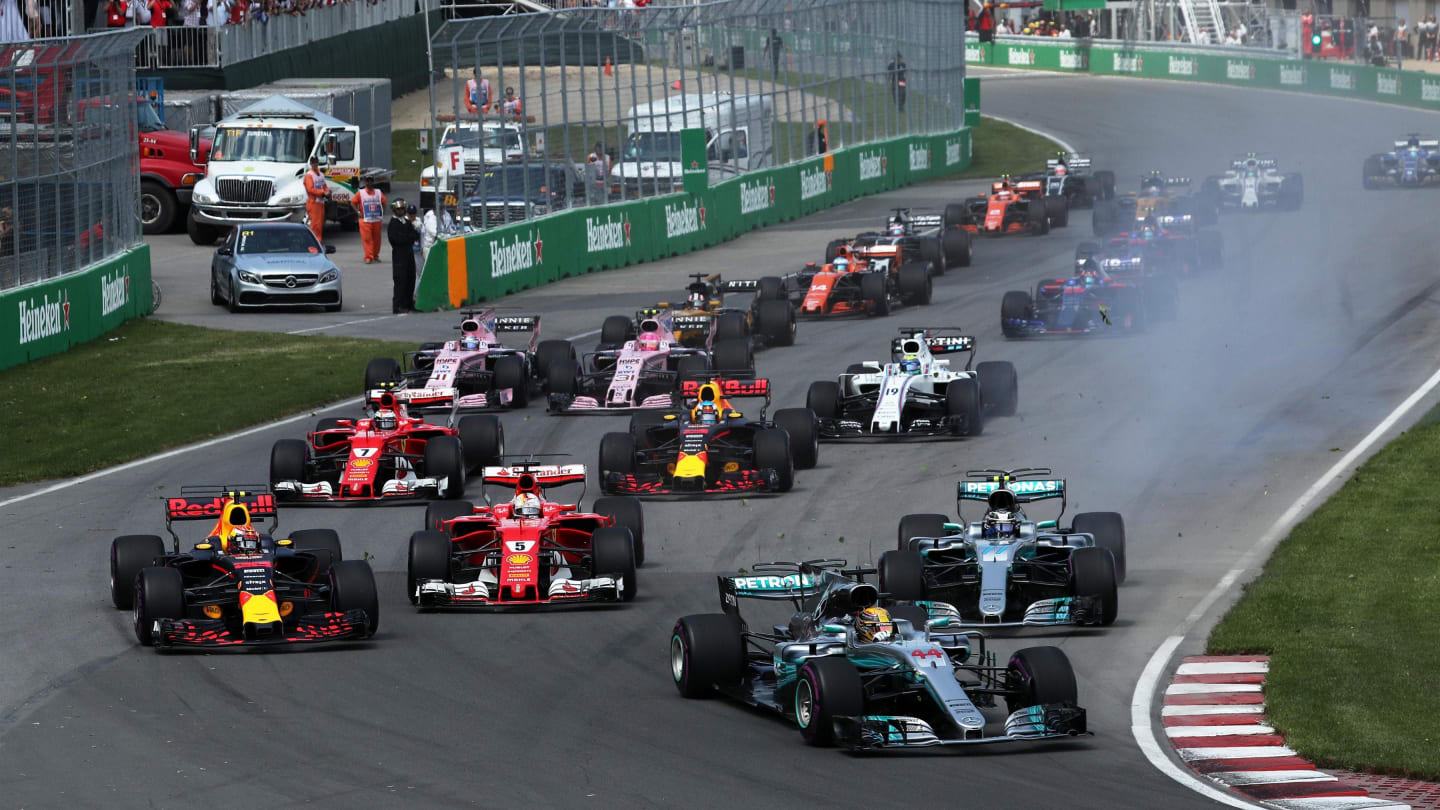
114,290
814,181
515,255
45,319
1292,76
1184,66
756,196
606,234
684,218
872,165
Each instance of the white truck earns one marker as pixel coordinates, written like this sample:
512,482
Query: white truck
474,144
737,139
257,164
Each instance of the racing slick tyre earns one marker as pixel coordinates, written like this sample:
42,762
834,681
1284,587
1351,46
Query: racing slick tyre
999,386
875,289
381,371
287,460
770,288
902,575
352,587
324,543
823,399
1057,209
1014,310
617,455
1104,218
832,249
731,326
157,207
1092,573
429,559
612,550
775,319
1037,217
128,554
963,407
1212,249
482,439
1371,169
915,284
826,688
615,331
706,650
562,377
772,452
932,254
691,367
628,515
1109,531
445,458
955,215
925,524
510,374
1292,191
1104,181
438,512
159,594
957,247
201,234
1038,676
731,355
804,432
551,351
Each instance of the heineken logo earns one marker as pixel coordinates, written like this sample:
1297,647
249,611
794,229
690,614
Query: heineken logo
683,218
952,151
114,290
814,182
606,234
515,254
919,158
1239,69
1387,85
756,196
1429,90
1293,76
974,53
44,319
872,165
1184,66
1021,56
1341,79
1125,63
1073,60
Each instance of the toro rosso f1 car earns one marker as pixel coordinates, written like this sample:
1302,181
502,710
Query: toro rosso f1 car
528,551
386,457
848,671
239,586
1019,206
1007,570
477,371
1252,183
1414,162
1070,176
916,393
710,448
1109,291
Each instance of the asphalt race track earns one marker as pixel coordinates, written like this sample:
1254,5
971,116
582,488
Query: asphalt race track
1201,432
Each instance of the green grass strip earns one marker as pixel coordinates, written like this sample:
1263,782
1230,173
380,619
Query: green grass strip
1348,608
152,385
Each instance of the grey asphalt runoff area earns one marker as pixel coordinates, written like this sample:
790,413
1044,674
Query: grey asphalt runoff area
1200,431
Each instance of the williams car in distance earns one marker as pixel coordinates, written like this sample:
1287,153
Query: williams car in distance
1252,183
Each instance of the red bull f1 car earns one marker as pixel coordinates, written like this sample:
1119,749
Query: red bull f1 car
240,586
1011,207
529,551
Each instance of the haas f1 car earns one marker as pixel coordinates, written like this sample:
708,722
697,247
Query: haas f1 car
239,586
768,321
916,393
1413,163
710,448
1012,206
912,238
848,671
475,372
528,551
1252,183
386,457
1070,176
1006,569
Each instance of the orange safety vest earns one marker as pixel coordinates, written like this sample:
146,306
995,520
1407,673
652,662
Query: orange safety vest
371,203
315,186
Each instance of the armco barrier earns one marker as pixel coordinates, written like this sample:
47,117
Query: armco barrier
50,317
487,265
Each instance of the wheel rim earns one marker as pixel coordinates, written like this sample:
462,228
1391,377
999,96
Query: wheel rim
677,658
804,703
149,209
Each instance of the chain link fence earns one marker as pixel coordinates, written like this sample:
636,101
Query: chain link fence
586,106
69,169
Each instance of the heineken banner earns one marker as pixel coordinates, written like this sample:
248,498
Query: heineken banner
487,265
50,317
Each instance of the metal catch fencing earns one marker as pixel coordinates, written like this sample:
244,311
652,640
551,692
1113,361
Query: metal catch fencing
586,106
69,170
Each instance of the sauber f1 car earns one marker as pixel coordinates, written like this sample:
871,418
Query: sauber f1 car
1414,162
528,551
477,371
916,393
1007,570
1252,183
710,448
1070,176
1110,291
768,321
847,671
922,238
1012,206
240,586
388,456
1166,199
644,370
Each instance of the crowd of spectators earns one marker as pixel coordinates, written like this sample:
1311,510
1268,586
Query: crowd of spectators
22,20
1061,25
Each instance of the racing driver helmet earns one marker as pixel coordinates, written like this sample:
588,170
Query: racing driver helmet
897,228
697,300
470,343
1000,523
841,264
873,626
705,413
648,341
242,540
910,365
386,420
526,506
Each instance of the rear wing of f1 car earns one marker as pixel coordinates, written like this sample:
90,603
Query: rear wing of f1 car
936,340
678,323
1260,163
1071,162
1028,485
730,388
204,502
788,581
1021,187
1426,143
526,474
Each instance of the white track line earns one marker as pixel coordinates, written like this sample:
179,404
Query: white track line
1056,138
1224,668
345,323
1216,731
584,334
1205,688
1141,723
1186,711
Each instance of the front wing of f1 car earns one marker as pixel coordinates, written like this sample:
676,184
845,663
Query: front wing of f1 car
873,732
310,628
481,594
